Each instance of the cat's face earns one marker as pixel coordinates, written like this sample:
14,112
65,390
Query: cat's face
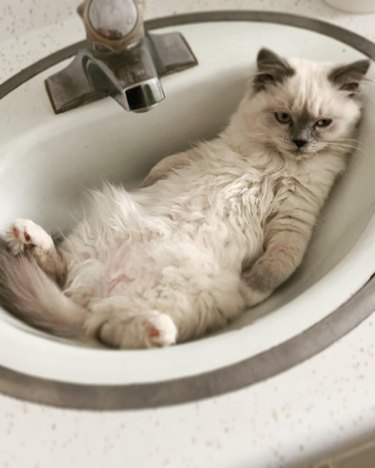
301,108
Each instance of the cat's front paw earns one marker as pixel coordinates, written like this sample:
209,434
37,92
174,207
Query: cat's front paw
254,296
252,292
24,234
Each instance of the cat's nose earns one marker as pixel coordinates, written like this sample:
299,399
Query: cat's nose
299,142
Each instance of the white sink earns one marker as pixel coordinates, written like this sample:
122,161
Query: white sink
47,162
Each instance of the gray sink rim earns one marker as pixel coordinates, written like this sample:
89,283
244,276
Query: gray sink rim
229,378
356,41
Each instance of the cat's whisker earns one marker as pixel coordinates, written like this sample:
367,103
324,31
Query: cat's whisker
356,147
347,148
345,140
343,145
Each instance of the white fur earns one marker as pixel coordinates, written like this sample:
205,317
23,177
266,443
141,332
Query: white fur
215,230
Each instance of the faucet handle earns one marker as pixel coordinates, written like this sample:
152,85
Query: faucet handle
116,25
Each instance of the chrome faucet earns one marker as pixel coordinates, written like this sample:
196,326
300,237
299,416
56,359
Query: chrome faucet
121,60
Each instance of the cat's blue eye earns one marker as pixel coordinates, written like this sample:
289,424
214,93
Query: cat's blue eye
323,123
282,117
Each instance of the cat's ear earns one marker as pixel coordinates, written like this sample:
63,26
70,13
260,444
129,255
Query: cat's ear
272,69
347,77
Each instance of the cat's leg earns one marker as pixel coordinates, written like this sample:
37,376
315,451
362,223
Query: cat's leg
200,299
118,327
184,307
24,236
286,239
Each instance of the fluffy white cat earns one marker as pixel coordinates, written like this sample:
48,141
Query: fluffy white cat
211,232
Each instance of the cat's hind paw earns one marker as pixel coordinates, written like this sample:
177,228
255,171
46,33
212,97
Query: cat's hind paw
24,234
160,330
146,330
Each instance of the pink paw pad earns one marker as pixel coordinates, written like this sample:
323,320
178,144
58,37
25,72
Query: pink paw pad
160,330
153,332
16,234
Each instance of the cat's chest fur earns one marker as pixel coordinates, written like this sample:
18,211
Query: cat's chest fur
235,190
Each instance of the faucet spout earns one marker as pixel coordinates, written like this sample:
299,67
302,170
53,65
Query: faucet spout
136,88
121,60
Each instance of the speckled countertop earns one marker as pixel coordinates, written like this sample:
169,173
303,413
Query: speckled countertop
275,423
31,29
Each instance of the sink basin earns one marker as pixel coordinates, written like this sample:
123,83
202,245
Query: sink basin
47,162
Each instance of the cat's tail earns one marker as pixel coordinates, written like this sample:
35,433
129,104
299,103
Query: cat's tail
28,293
